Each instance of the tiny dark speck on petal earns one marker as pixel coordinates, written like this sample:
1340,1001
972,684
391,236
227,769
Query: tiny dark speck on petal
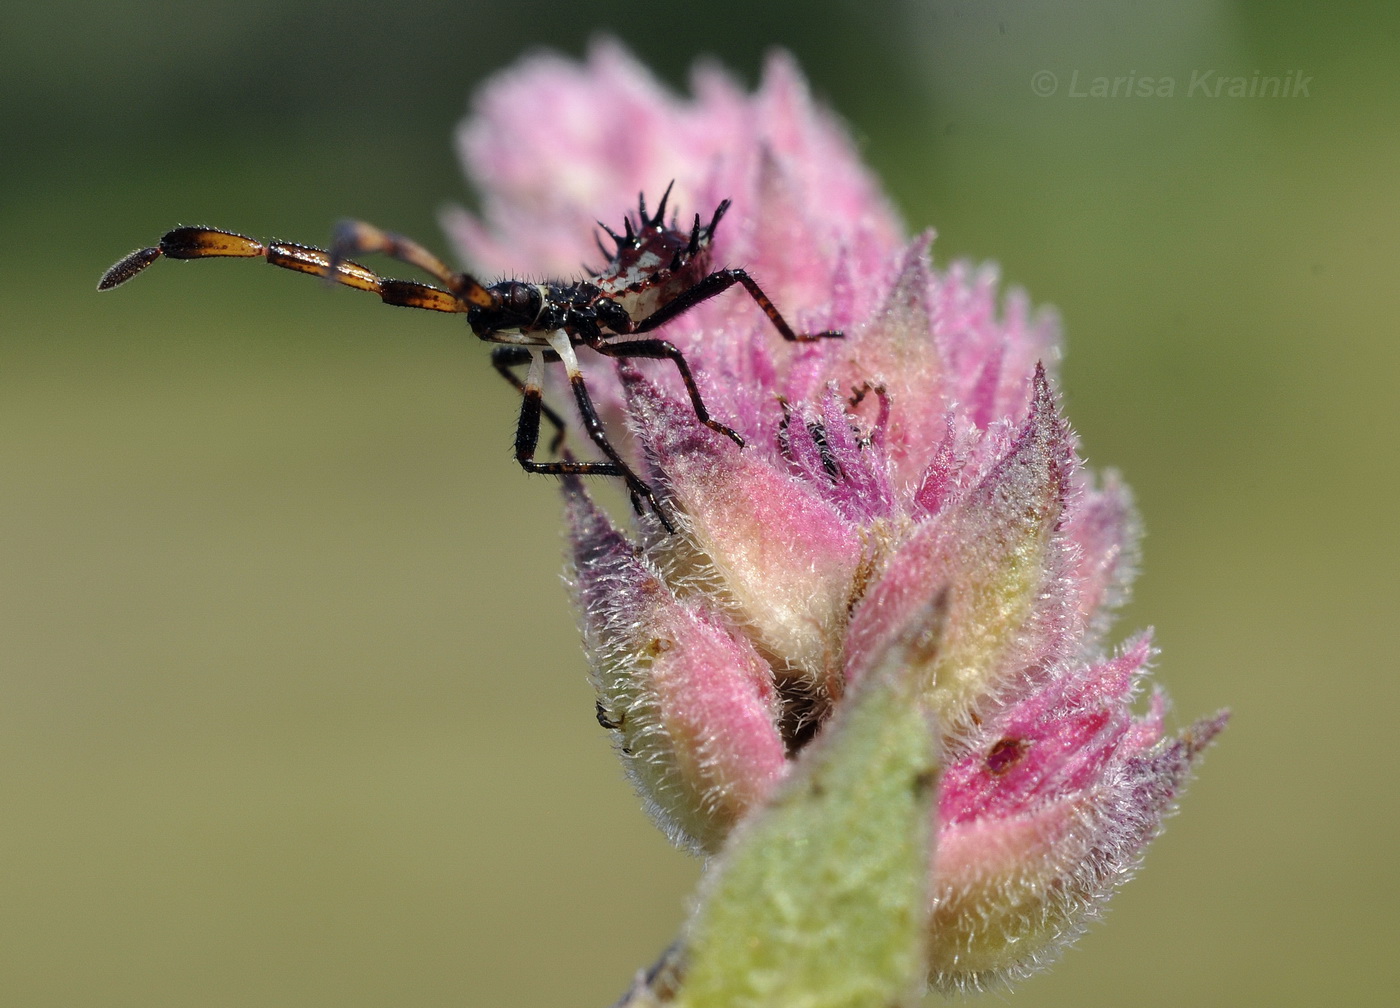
659,645
1005,755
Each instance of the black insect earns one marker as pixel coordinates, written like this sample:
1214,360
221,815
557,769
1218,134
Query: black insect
656,273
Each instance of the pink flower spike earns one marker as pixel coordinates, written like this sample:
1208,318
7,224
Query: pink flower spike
691,705
907,527
1046,812
996,550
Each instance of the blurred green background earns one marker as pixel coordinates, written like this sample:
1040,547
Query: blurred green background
291,707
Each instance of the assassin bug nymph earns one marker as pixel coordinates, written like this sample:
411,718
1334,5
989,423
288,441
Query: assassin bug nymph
656,273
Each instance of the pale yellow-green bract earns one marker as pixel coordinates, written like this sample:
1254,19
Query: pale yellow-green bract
821,901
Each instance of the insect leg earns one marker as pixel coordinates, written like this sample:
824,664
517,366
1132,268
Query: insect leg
718,283
659,349
527,435
527,430
560,343
503,358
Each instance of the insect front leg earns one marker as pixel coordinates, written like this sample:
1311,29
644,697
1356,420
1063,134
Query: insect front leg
717,283
660,349
561,344
503,358
532,408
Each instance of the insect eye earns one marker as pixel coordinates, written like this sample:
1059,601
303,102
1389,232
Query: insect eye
524,299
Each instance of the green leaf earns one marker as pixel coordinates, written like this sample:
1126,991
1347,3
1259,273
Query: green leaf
820,900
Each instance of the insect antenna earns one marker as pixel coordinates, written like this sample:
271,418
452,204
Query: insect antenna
127,267
472,291
353,238
201,243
